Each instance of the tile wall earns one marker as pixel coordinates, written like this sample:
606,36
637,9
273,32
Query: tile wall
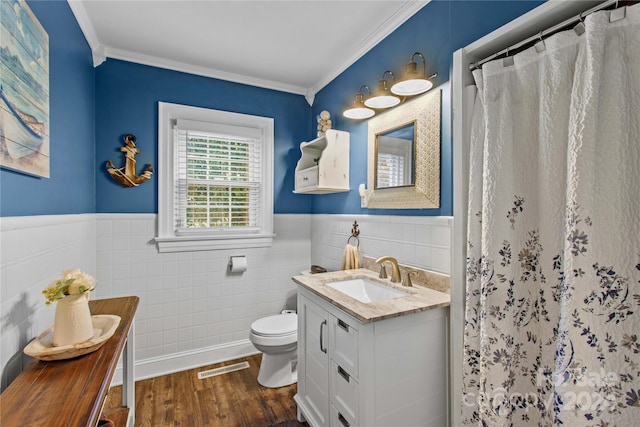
33,252
192,312
420,241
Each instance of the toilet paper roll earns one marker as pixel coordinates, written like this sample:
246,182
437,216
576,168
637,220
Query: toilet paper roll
237,264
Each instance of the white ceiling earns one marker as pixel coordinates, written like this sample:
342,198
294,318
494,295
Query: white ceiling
293,46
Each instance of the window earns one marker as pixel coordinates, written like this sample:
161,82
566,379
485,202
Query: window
216,179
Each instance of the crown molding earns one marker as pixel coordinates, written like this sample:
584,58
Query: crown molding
375,37
310,96
97,49
101,52
201,71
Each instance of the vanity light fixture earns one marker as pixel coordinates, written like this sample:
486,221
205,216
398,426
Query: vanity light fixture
413,82
382,97
358,110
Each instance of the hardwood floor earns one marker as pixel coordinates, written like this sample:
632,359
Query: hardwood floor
232,399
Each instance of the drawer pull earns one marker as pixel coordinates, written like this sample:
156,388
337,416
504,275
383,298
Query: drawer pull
322,347
343,325
343,373
343,420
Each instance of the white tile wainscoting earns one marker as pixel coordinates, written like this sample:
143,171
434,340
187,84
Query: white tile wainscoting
192,312
34,251
420,241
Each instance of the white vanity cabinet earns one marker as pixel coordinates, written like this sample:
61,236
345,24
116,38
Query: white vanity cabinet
391,372
324,164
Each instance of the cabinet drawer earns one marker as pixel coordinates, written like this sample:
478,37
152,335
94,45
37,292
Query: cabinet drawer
345,392
307,178
345,346
338,419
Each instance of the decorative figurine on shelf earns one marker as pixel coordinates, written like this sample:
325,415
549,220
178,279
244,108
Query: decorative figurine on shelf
127,174
324,122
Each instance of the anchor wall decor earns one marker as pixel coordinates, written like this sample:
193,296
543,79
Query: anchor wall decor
127,175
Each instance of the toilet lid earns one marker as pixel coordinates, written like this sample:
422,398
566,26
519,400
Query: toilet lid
280,324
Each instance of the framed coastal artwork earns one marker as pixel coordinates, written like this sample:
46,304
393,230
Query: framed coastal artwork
24,90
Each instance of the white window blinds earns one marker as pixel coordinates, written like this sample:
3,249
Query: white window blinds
391,171
217,178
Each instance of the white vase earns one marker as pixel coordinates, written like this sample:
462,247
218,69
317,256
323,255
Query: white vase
72,324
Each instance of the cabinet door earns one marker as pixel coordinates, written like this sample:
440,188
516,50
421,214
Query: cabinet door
313,387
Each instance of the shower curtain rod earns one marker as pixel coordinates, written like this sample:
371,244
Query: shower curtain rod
541,34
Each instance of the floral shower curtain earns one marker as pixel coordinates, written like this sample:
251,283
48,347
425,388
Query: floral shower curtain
552,318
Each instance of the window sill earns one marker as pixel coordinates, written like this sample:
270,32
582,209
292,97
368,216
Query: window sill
208,243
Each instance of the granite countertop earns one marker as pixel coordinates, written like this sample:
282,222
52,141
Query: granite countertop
420,298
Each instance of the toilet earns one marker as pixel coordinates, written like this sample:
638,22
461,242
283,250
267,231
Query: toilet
277,338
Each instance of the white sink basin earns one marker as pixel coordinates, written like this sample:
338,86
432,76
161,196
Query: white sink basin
365,290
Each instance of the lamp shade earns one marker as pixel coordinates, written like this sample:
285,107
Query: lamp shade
358,110
382,97
413,82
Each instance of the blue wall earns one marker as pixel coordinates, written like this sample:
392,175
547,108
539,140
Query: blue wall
122,97
128,96
437,30
71,187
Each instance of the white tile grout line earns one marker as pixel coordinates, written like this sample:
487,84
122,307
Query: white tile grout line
223,370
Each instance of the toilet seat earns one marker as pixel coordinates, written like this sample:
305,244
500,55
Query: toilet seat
279,325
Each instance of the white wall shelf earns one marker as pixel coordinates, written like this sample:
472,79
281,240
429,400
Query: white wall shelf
324,164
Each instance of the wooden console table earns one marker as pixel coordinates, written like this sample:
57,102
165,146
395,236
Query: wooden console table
72,392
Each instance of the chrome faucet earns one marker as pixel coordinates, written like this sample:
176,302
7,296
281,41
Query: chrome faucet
395,270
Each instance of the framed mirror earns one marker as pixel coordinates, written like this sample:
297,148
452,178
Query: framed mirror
403,156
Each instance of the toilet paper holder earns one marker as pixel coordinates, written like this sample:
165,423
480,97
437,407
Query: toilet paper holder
237,264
